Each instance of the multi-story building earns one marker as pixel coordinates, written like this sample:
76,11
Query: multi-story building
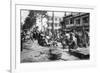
76,21
54,25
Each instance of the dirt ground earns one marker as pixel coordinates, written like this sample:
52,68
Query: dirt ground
33,52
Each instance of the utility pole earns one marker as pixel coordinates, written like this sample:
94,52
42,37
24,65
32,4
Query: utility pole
53,24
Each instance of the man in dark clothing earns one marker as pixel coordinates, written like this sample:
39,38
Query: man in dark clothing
72,44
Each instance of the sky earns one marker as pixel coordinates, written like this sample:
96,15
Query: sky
24,14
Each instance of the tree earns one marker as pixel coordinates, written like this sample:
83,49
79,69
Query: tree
31,19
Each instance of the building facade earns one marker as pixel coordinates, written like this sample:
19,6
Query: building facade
54,26
76,21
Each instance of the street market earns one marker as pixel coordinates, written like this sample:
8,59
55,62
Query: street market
46,41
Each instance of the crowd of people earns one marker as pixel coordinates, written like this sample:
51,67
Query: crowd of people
70,40
76,39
